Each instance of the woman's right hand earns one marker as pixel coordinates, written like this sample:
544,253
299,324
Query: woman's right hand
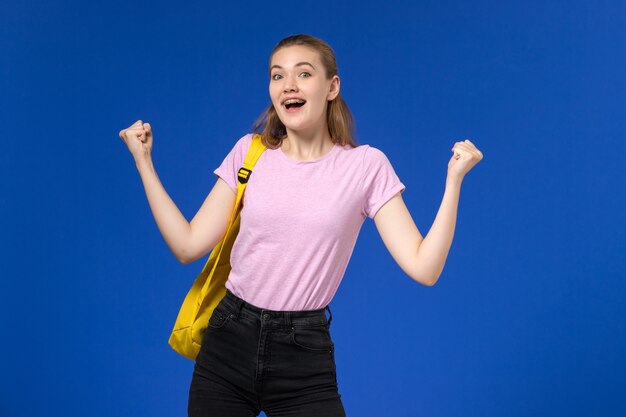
138,138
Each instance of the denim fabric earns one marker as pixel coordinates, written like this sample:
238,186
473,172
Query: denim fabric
253,360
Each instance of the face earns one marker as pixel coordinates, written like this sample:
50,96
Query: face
296,73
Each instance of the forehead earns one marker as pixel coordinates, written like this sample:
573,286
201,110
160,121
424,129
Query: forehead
293,54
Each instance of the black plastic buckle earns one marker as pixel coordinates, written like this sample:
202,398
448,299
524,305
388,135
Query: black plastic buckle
244,175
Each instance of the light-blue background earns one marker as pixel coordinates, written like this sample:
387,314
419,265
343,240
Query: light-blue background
527,318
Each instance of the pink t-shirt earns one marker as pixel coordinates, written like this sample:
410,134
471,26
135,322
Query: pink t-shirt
300,220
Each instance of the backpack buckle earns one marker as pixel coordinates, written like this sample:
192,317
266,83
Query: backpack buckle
244,175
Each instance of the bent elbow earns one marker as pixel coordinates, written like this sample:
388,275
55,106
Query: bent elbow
184,259
424,280
432,282
421,277
187,255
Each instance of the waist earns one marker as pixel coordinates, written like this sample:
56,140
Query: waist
281,317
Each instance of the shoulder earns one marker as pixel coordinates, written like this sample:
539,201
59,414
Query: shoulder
373,153
373,156
360,151
368,157
245,140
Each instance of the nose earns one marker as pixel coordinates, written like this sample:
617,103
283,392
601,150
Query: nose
290,84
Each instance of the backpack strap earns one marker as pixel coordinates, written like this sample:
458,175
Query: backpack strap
254,152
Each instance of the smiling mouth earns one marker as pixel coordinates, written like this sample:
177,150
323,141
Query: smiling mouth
293,103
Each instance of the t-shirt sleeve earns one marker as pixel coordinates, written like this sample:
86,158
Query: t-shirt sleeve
380,181
234,160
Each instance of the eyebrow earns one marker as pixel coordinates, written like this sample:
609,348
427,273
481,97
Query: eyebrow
299,64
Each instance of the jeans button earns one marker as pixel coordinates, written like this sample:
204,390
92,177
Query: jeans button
266,316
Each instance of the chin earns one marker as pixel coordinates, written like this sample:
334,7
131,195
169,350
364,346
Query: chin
303,126
292,126
297,128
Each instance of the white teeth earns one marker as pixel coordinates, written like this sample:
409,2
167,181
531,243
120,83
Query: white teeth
293,100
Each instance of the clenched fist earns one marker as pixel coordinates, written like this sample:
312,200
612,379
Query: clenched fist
466,155
138,138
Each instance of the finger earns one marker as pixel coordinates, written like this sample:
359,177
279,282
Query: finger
147,127
138,123
472,146
134,133
466,149
467,145
126,134
466,142
461,147
459,144
140,134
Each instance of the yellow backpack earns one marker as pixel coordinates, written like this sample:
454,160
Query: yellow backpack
209,288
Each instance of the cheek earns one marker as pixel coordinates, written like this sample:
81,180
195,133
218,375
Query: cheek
273,92
320,103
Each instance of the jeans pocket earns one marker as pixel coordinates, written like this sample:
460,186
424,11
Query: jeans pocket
315,338
220,316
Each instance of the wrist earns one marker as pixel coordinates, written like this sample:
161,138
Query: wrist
454,180
144,163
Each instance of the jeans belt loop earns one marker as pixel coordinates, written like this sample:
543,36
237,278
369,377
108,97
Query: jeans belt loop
238,307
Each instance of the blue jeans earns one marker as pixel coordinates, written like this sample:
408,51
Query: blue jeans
253,360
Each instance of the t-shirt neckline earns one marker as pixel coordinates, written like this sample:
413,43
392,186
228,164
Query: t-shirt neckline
284,156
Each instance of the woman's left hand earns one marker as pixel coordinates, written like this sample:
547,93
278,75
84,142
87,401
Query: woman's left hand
466,155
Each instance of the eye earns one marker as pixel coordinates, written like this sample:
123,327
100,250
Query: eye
276,75
305,73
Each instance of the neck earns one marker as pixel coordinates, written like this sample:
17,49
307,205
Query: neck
307,145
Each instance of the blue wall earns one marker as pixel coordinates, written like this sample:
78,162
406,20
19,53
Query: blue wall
527,318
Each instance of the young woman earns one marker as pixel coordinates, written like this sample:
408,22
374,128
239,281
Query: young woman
268,346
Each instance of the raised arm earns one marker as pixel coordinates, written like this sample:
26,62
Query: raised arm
187,241
423,259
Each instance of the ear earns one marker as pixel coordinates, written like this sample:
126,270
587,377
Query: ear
335,84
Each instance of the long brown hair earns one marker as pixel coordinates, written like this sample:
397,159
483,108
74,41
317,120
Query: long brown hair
338,115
